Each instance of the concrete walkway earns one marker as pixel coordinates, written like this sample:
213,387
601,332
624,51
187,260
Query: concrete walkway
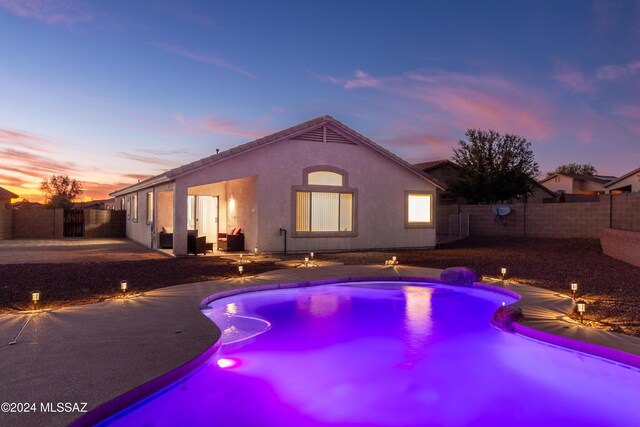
97,352
38,251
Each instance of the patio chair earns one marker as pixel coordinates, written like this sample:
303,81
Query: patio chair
195,244
232,241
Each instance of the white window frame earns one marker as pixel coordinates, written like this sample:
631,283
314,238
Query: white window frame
134,207
419,224
149,207
310,188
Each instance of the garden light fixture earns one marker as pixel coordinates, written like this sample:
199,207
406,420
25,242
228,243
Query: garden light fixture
503,272
35,298
581,305
240,269
574,288
123,287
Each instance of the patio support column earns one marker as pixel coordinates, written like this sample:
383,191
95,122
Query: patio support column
180,194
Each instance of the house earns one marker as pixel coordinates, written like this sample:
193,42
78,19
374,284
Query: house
105,204
627,183
320,185
445,172
5,198
576,184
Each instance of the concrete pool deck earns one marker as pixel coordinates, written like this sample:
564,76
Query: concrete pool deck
93,353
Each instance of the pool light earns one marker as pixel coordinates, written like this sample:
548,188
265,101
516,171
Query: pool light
35,298
225,363
240,269
123,287
582,307
574,288
503,272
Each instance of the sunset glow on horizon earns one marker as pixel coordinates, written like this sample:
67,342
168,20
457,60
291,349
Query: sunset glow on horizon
112,93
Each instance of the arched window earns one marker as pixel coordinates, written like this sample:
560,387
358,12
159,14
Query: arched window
324,204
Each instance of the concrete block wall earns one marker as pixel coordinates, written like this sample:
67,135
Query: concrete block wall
567,220
6,219
104,223
621,244
443,212
550,220
482,221
38,224
625,212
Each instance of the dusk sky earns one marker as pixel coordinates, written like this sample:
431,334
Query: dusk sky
109,92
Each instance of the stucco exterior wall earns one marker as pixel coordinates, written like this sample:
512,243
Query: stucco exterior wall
380,183
560,183
164,206
6,219
140,231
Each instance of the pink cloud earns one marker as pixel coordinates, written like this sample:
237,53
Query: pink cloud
205,59
53,12
361,79
218,125
575,80
615,72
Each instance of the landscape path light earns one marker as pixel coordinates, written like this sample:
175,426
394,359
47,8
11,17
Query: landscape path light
574,289
240,269
503,272
123,287
35,298
582,307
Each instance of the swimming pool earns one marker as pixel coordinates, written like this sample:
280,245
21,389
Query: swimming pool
385,354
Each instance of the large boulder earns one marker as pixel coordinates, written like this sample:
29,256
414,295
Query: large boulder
461,276
506,316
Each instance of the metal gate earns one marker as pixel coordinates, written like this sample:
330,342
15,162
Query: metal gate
73,223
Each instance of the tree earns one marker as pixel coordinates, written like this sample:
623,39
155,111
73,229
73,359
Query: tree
494,167
575,169
60,191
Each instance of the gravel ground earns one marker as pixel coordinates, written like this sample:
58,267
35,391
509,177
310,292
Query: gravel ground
611,287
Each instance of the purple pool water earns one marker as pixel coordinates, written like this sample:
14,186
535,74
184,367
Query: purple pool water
385,354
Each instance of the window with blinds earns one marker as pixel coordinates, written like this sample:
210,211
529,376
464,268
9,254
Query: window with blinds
318,211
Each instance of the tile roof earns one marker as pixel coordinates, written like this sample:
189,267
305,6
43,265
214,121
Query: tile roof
280,135
626,175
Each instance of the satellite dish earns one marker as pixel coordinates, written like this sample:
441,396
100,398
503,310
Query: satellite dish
500,210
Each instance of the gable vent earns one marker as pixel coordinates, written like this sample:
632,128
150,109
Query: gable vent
316,135
324,134
335,137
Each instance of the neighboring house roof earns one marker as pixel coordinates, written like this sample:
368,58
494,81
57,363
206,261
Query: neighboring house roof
542,187
7,194
434,164
599,179
25,204
627,175
288,133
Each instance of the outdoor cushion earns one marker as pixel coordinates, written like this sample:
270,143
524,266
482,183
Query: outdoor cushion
167,230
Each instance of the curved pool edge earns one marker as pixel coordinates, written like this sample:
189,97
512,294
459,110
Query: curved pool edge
137,394
145,390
